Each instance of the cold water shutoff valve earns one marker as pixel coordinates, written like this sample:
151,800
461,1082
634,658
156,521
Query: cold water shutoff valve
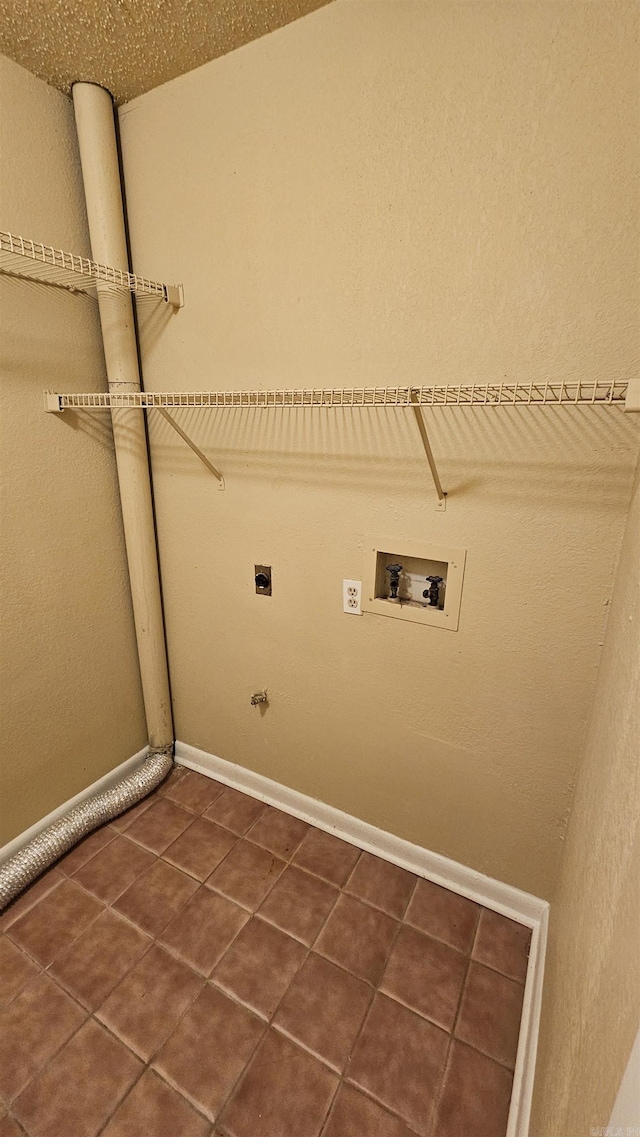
432,593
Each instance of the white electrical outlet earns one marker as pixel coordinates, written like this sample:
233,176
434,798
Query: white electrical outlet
352,597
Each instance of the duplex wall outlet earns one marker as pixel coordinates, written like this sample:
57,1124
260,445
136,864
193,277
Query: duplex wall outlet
352,597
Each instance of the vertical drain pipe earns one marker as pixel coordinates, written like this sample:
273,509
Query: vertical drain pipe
94,113
101,174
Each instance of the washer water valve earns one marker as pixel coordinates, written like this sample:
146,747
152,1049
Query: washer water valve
259,697
394,581
432,594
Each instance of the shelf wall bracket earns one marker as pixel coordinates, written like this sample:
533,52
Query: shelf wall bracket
422,427
196,450
632,400
53,404
174,295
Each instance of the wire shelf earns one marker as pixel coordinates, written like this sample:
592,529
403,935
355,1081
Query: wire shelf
512,394
43,263
438,395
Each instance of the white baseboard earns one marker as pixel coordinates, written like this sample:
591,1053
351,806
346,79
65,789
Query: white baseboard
626,1111
495,894
520,906
127,767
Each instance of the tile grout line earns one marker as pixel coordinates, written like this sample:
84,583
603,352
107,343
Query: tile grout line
128,836
181,1094
93,1012
25,892
12,1117
45,967
240,1076
269,1022
106,825
125,1094
331,1105
146,1069
375,991
5,931
419,1014
495,971
41,1069
438,1097
342,1078
147,1063
380,1104
128,1045
206,980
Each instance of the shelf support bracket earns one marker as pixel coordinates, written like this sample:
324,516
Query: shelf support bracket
422,427
632,400
185,437
53,404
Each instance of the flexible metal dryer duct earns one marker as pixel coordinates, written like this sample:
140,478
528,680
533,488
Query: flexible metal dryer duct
58,838
101,175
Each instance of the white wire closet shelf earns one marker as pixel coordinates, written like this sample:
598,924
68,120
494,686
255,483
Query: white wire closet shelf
437,395
610,392
42,263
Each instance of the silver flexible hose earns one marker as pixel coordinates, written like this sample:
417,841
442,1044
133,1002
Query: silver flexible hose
23,868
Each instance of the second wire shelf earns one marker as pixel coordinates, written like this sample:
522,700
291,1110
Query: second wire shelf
436,395
42,263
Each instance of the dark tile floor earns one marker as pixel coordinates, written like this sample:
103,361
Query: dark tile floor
207,965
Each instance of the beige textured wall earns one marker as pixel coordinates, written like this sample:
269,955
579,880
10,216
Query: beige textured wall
592,991
386,193
71,700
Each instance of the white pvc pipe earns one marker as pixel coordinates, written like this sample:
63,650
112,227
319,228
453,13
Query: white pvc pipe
101,175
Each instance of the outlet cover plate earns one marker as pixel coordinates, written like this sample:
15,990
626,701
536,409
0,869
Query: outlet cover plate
352,597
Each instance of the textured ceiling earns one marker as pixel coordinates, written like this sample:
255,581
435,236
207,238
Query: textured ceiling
130,46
